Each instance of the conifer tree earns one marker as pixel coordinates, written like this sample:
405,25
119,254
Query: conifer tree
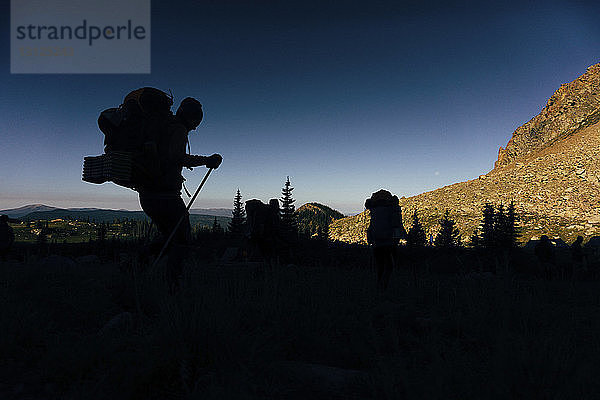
289,223
487,239
101,232
416,234
448,236
216,227
500,227
511,231
238,216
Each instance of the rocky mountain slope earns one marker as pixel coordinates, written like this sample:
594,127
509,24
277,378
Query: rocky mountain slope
550,168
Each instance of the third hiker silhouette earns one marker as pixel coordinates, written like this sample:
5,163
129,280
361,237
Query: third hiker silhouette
384,232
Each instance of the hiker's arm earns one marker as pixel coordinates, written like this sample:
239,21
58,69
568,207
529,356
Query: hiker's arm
178,155
177,144
191,160
195,161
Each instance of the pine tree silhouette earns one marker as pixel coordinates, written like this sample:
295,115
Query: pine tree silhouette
487,239
500,227
238,219
416,234
216,227
510,231
101,232
448,236
289,223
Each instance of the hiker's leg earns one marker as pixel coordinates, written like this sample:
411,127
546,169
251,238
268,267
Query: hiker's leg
388,265
379,257
399,257
550,272
166,210
178,249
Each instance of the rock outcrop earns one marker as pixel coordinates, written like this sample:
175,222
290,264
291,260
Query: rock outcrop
572,107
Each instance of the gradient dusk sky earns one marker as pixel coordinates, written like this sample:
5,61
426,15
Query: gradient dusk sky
344,97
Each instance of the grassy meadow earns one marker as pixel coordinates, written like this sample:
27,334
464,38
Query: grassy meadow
299,331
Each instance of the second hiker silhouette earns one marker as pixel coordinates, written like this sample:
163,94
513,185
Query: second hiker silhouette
160,197
384,232
263,222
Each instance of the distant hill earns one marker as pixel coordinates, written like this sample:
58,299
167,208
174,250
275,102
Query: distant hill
216,212
21,211
315,217
100,215
97,215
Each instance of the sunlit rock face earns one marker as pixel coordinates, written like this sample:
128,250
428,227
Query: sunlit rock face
571,108
550,168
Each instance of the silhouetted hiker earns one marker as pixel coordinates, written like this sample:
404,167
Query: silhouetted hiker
384,232
7,237
577,256
160,198
545,254
263,228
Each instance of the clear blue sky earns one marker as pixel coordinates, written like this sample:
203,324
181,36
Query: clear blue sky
344,97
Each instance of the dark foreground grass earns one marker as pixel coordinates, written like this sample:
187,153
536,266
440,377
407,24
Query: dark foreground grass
224,335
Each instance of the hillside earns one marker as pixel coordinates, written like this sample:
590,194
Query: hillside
22,211
314,218
550,168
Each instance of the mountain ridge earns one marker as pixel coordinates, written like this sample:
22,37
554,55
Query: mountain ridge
550,168
573,106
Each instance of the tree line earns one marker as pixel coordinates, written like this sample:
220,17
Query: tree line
498,229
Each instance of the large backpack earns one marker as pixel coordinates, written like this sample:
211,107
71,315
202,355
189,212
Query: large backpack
262,219
137,121
131,135
385,227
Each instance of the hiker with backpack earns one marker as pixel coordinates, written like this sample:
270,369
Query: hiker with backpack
7,237
145,150
161,198
384,233
263,229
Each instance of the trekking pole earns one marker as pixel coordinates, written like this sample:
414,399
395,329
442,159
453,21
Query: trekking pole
181,218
